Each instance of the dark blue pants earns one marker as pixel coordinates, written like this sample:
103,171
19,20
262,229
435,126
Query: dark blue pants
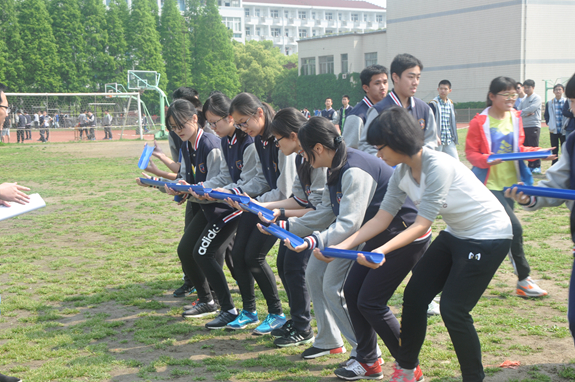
291,270
367,292
571,305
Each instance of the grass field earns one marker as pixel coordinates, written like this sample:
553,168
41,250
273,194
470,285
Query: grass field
87,283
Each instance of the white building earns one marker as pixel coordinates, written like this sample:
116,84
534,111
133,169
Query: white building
465,41
286,21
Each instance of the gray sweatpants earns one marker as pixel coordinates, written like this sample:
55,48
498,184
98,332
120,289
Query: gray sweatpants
325,285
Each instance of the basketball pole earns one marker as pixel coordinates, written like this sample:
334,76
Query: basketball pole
140,117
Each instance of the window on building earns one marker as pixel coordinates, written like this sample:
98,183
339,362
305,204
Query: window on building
329,16
258,31
286,14
308,66
257,12
313,15
274,13
227,3
365,17
302,15
313,32
354,17
379,18
325,64
233,23
329,31
302,33
247,12
287,50
182,5
287,32
344,63
340,16
371,59
276,32
248,31
236,3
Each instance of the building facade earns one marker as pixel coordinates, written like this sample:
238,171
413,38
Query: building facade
466,42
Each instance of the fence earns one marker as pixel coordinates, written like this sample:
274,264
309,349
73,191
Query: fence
66,110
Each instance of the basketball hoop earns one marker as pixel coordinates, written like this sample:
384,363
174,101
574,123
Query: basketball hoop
141,91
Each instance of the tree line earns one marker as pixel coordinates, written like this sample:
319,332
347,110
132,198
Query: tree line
80,45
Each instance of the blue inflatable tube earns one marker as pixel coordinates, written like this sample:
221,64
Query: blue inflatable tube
372,257
545,192
520,156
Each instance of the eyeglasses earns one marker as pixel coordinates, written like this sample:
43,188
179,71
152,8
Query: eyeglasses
5,107
177,128
213,124
277,141
509,95
379,147
243,124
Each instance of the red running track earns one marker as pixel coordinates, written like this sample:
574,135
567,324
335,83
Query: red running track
67,135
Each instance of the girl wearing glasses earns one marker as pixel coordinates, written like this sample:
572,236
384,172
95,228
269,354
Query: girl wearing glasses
211,230
307,191
277,173
499,130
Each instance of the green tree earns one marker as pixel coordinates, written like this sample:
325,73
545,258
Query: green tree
214,67
13,45
100,63
285,91
259,64
69,35
41,63
3,62
117,45
174,44
155,13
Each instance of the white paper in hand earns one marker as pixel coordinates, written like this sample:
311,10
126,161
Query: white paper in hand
16,209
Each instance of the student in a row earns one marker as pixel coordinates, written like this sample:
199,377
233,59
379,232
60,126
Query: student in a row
355,186
307,192
251,246
463,258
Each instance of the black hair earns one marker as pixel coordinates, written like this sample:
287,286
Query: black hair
529,83
370,71
180,111
248,104
520,84
285,122
570,88
219,105
329,98
559,86
402,62
499,84
345,96
398,130
321,130
444,82
190,94
2,87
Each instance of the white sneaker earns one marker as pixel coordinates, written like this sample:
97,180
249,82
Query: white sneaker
528,288
433,307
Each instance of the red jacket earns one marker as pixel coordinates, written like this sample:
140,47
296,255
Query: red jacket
478,143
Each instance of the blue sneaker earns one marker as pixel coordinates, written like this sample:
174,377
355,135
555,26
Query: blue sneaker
244,319
272,321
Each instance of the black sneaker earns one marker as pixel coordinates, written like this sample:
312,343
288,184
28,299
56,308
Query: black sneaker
184,290
5,378
295,338
284,330
221,320
201,309
314,352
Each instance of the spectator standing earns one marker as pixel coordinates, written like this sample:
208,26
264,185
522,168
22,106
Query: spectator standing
82,124
28,129
5,128
568,113
306,113
555,120
20,127
91,122
328,112
343,112
520,95
107,124
444,112
56,119
530,109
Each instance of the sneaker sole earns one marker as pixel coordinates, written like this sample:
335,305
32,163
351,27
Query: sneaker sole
522,293
200,315
241,327
215,327
321,354
355,378
304,342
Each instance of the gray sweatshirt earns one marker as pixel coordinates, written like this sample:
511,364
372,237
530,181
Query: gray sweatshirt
531,111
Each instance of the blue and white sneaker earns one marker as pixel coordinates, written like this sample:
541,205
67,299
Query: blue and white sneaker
271,322
244,319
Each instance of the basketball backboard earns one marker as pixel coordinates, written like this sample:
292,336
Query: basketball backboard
143,79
